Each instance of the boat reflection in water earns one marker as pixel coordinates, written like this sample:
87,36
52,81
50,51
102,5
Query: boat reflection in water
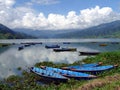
12,58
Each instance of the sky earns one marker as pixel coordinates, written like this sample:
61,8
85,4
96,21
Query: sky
58,14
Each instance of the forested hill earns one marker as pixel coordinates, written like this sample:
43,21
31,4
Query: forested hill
6,33
108,30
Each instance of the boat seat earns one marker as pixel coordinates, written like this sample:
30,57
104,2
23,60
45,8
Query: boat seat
42,73
39,70
54,71
51,74
34,69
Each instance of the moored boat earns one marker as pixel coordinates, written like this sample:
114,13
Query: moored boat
103,44
82,65
26,45
38,42
89,53
94,70
114,42
48,75
20,48
65,49
52,46
66,42
70,74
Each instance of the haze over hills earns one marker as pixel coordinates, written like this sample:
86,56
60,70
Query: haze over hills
107,30
43,33
7,33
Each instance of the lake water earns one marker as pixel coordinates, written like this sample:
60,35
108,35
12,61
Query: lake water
11,58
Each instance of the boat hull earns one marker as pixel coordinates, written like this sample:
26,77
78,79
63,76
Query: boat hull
47,75
82,65
103,45
71,74
94,70
65,49
20,48
52,46
89,53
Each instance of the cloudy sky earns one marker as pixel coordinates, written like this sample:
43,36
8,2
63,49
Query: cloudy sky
58,14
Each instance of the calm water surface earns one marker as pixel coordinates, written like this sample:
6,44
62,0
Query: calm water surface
11,58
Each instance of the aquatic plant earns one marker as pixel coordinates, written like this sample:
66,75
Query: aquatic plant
19,68
4,45
45,63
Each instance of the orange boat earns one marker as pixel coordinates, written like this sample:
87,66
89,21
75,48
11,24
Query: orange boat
103,45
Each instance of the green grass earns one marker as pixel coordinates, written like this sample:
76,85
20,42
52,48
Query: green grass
106,58
28,80
0,45
4,45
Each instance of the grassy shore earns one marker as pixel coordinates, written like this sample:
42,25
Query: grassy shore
0,45
108,80
4,45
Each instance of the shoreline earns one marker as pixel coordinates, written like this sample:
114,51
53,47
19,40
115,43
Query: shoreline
4,45
30,80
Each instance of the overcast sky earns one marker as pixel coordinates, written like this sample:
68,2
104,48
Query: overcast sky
58,14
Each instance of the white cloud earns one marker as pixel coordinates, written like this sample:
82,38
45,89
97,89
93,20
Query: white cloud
26,17
97,15
7,3
45,2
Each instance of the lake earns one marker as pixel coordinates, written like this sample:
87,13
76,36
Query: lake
11,58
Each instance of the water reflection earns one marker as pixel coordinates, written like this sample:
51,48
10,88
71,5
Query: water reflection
11,59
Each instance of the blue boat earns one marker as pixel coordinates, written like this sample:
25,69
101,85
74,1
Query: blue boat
48,75
83,65
93,70
26,45
70,74
20,48
66,42
52,46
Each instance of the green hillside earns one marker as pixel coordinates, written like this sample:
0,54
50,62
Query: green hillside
6,33
107,30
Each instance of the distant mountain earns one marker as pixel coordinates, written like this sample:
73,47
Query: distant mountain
106,30
43,33
6,33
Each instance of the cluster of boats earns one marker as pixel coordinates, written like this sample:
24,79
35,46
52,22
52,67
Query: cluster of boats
78,72
105,44
57,48
28,44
